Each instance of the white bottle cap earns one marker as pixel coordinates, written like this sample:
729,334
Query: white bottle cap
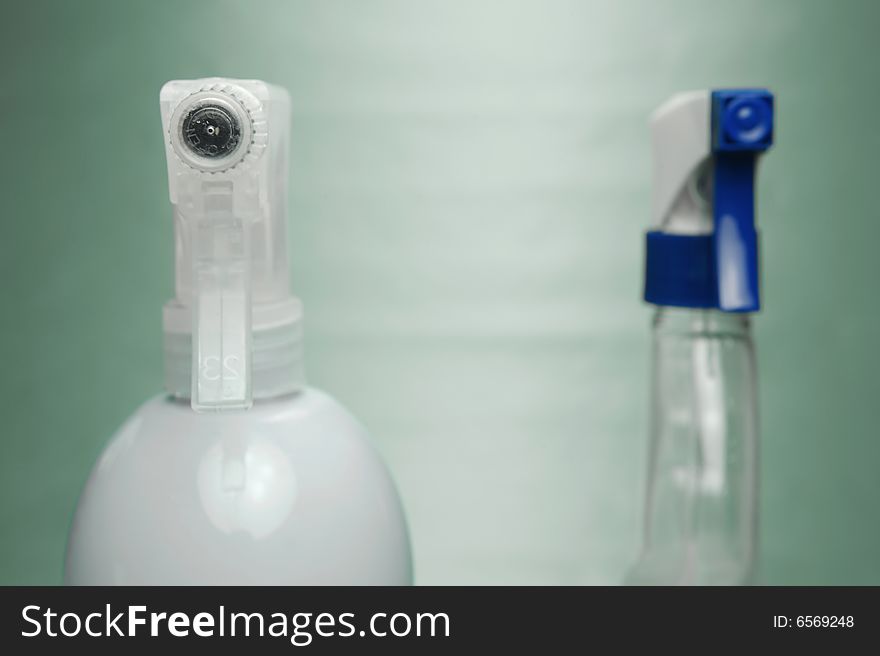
233,330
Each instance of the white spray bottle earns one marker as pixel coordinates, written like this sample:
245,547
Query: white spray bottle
240,474
701,271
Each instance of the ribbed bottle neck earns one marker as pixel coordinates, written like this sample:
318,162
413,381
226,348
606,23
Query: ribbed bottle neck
698,322
277,363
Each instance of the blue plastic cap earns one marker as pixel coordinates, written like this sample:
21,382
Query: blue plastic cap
719,270
680,270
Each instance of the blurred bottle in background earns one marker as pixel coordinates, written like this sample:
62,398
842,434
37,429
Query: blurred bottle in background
701,272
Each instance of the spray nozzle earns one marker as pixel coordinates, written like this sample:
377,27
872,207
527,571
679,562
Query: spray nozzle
226,143
209,130
704,250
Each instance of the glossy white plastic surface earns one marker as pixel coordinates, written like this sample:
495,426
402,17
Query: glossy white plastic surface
290,492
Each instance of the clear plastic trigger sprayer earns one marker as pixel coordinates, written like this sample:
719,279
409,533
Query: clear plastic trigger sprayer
233,329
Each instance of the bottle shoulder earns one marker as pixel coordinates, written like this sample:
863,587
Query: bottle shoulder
306,407
275,494
165,428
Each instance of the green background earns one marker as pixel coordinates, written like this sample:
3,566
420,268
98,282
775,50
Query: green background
469,188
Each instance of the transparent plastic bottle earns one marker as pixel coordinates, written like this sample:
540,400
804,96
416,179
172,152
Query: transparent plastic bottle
700,524
701,272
